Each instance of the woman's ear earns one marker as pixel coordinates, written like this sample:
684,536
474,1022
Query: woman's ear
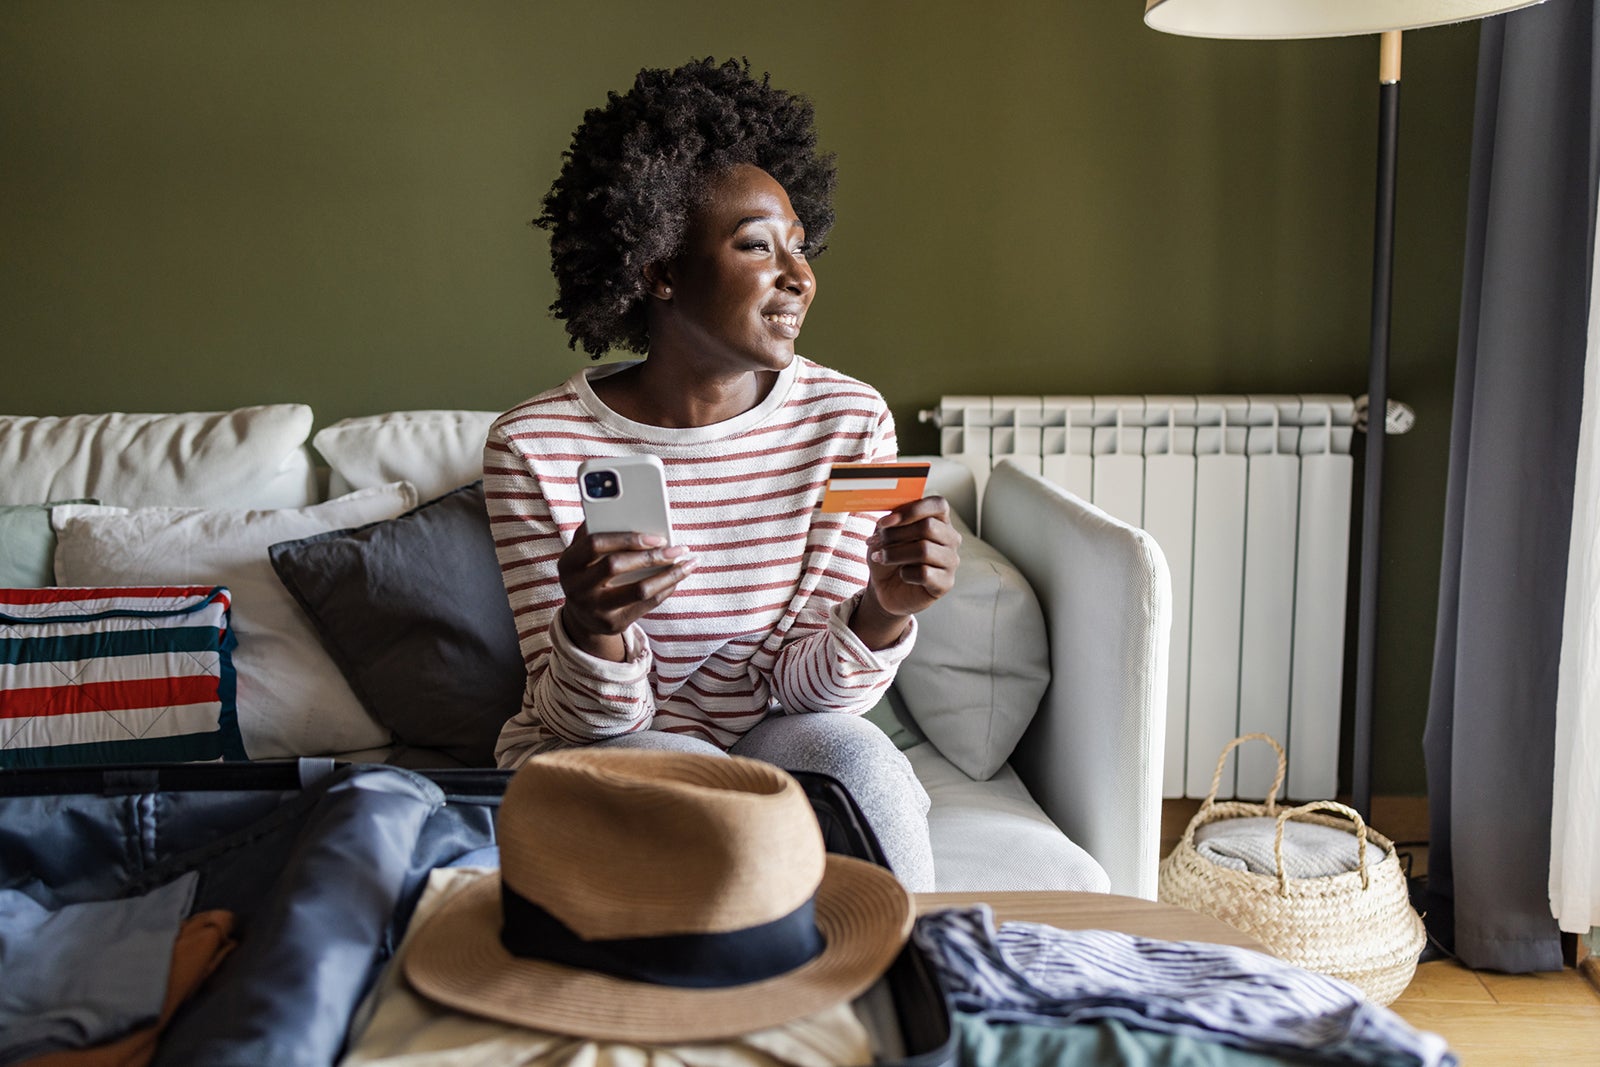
658,281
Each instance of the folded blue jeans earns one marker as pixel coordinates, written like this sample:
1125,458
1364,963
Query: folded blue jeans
321,880
84,974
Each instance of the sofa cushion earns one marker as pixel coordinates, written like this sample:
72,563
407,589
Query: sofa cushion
414,612
28,544
991,836
436,451
249,458
95,676
981,662
292,699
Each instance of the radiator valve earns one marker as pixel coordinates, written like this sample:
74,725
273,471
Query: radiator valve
1399,416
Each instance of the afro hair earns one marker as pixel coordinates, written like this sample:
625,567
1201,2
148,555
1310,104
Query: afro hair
636,170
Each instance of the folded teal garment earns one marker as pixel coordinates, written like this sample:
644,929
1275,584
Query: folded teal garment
1102,1043
28,545
85,973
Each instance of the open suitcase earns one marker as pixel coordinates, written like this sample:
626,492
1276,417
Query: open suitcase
320,862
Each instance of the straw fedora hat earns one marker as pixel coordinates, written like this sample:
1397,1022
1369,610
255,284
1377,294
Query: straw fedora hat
659,897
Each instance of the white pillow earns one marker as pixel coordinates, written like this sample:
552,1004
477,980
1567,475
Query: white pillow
249,458
292,699
973,680
436,451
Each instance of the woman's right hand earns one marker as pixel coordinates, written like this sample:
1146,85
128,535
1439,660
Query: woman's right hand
598,574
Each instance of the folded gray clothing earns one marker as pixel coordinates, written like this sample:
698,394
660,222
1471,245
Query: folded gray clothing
86,973
1310,850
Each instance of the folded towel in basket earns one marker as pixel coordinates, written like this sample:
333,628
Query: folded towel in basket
1310,850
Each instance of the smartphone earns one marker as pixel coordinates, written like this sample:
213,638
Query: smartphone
626,494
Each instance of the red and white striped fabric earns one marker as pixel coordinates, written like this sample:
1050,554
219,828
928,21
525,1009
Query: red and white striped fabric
762,620
118,675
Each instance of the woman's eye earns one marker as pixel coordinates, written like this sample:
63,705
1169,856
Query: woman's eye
755,246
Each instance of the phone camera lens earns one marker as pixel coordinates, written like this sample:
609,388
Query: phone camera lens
600,485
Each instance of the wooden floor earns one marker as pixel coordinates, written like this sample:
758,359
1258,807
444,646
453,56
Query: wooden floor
1489,1019
1526,1020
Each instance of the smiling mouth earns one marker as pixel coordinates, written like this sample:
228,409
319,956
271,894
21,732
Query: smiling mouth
792,321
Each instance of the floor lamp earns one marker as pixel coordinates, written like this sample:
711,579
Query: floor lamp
1285,19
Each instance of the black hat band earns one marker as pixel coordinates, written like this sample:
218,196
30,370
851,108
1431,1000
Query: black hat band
702,961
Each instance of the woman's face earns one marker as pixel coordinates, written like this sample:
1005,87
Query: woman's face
741,287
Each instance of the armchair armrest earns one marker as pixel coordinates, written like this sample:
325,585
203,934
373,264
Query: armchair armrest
1092,755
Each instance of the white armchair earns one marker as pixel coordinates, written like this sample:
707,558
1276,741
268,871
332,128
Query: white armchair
1091,757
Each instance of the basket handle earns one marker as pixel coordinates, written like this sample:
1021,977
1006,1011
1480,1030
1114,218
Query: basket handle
1320,805
1277,783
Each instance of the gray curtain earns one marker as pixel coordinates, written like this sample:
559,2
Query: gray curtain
1490,736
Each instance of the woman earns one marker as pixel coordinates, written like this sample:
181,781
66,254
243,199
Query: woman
681,228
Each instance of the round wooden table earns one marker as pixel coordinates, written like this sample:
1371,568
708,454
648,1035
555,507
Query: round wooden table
1097,911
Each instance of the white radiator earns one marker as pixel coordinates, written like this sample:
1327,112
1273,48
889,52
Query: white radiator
1249,499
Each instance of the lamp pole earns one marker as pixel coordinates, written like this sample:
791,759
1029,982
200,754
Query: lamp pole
1377,419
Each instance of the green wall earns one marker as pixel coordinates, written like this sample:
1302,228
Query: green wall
205,205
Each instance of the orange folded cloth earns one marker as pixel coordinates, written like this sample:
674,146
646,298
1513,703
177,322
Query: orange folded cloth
203,941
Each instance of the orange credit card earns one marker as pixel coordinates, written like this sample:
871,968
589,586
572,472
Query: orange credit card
873,486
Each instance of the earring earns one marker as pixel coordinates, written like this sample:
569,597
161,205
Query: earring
666,292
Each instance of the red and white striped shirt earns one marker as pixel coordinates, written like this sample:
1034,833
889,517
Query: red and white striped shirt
760,624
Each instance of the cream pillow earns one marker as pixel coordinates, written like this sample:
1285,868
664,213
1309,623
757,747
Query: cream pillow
436,451
292,699
248,458
974,679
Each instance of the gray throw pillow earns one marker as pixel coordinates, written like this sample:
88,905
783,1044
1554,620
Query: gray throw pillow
890,716
28,545
414,613
974,679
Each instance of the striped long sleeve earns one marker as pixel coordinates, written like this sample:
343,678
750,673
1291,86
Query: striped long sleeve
761,624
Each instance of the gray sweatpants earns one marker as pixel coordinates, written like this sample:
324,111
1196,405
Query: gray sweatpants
853,751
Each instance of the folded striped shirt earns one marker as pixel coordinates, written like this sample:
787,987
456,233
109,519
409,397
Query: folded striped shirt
1030,973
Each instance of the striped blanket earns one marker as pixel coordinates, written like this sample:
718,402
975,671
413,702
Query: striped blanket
118,675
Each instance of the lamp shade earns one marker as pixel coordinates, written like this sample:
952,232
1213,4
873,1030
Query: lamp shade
1273,19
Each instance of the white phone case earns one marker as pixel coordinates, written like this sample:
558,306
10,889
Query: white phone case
626,494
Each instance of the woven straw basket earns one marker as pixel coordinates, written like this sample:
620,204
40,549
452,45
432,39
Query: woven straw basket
1358,926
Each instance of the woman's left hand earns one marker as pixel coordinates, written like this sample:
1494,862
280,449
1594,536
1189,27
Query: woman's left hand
911,558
